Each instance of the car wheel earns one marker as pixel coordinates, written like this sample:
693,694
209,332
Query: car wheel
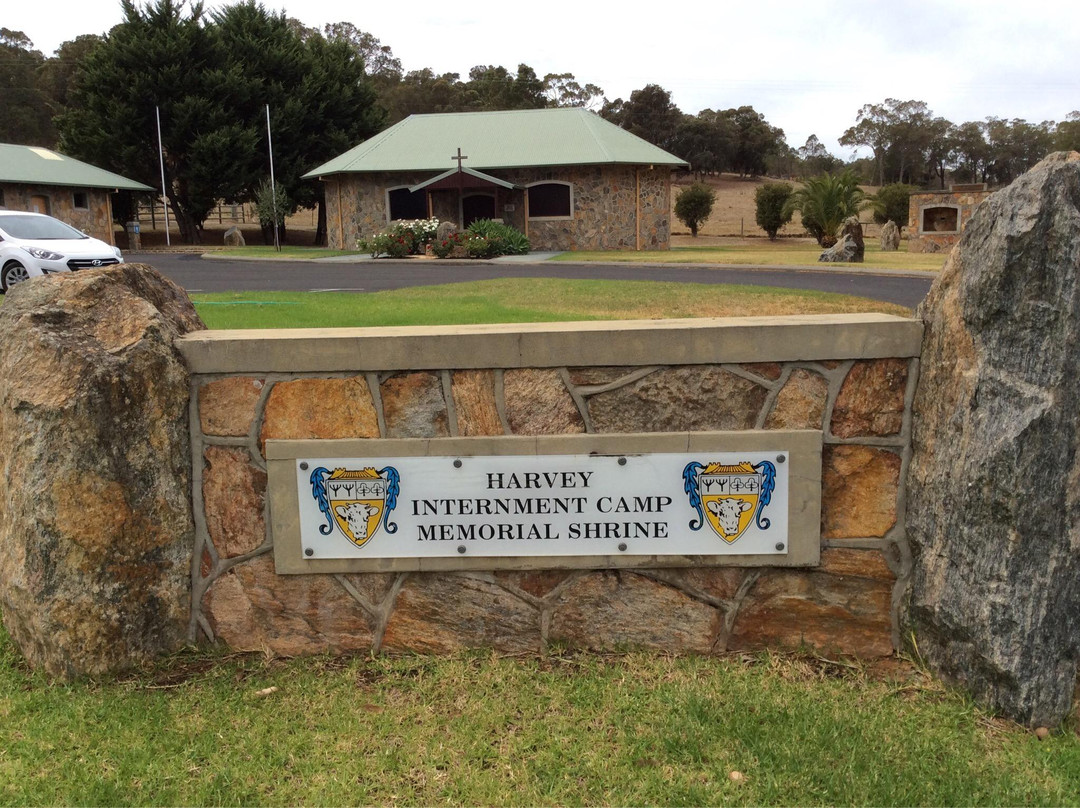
13,273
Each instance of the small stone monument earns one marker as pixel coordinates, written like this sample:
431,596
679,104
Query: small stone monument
890,237
853,228
446,229
843,250
234,238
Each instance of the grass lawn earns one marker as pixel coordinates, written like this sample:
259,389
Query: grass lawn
516,301
783,252
286,252
480,729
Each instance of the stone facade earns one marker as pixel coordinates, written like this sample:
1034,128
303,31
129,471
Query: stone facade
847,604
95,219
615,207
921,232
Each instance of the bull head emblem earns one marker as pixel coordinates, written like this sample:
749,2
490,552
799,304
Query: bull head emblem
357,502
729,498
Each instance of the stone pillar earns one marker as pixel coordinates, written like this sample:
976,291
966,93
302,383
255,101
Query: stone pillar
994,484
96,529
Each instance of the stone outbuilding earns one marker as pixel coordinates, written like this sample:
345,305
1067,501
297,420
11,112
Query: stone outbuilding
567,178
937,218
45,181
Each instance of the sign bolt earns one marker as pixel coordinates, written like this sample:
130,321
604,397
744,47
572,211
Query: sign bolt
309,552
303,466
622,461
461,549
779,545
781,458
622,547
457,464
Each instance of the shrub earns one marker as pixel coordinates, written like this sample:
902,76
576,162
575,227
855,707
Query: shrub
694,204
771,202
480,247
418,233
504,240
444,248
394,246
890,203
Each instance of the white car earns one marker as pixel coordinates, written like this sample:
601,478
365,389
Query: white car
32,245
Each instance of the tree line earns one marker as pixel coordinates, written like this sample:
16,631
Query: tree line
210,77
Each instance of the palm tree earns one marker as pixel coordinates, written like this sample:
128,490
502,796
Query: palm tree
825,201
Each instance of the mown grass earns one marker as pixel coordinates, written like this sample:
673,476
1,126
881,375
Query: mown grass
480,729
522,300
783,252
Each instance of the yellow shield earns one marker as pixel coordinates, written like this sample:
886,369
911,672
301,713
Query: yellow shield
357,500
729,497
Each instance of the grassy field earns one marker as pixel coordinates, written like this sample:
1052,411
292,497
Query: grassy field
469,729
523,300
761,252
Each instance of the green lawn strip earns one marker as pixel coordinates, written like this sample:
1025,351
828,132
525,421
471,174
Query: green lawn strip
286,252
516,301
479,729
769,253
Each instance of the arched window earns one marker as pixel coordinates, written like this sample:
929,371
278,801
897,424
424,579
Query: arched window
402,204
551,200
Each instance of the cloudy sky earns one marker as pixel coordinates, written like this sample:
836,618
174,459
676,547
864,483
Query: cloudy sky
808,66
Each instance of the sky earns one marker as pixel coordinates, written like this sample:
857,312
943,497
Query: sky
808,66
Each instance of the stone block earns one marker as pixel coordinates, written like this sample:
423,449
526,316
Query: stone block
234,494
800,403
538,403
611,610
859,487
871,400
690,398
817,610
252,608
598,375
320,408
474,402
227,406
442,613
414,407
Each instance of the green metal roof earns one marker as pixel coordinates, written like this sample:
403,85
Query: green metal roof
33,165
511,139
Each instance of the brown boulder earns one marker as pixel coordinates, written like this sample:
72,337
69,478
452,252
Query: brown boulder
95,469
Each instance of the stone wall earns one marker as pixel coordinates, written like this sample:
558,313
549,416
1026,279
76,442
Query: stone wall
928,241
851,376
607,213
95,220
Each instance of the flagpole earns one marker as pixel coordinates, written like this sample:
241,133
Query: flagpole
161,157
273,187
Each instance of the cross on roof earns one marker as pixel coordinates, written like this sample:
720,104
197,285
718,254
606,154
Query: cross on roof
459,157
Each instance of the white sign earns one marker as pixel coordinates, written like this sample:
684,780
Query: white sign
717,503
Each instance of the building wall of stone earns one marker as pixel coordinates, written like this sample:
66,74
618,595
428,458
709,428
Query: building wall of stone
966,202
847,604
606,210
94,220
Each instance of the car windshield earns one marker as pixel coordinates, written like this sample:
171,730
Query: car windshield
38,227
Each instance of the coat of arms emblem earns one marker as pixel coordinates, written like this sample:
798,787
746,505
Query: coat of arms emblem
729,498
356,501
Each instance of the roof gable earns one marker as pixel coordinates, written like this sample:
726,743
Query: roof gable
37,166
509,139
